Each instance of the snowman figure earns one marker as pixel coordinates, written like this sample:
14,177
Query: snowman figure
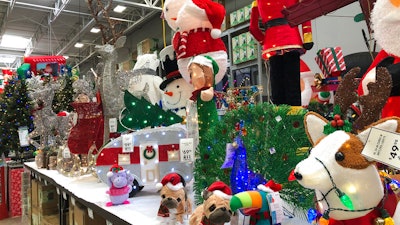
170,12
176,90
198,26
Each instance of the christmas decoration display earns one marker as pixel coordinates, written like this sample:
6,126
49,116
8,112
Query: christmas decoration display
170,12
120,182
64,97
261,131
385,33
215,208
203,70
149,154
16,120
331,61
140,113
176,90
256,204
110,95
175,203
241,96
49,66
145,82
198,33
282,47
336,168
306,81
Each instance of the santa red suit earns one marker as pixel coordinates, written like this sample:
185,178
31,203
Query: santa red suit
198,33
282,46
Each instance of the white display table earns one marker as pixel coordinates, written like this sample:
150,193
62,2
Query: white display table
91,193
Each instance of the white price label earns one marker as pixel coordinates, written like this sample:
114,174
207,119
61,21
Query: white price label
275,207
66,153
113,125
90,213
64,195
127,143
23,136
383,146
109,222
73,201
186,148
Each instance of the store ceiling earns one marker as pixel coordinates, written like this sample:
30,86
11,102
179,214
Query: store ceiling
54,26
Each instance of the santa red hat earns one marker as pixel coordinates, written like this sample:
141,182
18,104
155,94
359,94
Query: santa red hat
173,181
220,189
114,169
270,187
215,13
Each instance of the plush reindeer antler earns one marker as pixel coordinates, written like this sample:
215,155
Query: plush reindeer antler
371,104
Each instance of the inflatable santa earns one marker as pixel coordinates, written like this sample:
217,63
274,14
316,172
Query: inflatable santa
282,47
198,25
385,18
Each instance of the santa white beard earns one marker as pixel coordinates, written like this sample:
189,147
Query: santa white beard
385,19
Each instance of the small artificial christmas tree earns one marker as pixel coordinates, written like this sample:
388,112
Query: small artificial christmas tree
63,98
16,116
140,113
274,140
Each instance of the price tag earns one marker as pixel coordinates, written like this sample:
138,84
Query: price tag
58,191
113,125
45,182
275,207
65,195
23,136
66,153
90,213
108,222
383,146
73,200
186,149
127,143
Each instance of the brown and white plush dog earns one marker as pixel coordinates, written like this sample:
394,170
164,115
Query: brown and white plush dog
174,200
215,209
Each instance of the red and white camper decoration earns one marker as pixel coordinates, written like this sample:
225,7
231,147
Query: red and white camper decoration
45,64
149,155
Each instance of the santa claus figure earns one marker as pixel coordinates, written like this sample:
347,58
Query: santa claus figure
385,18
198,27
176,90
282,47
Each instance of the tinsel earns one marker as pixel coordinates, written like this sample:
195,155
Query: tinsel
263,132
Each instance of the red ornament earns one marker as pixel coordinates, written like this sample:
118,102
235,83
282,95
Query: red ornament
291,176
336,117
340,123
333,123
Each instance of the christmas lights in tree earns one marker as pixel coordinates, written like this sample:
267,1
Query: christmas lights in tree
140,113
275,142
16,120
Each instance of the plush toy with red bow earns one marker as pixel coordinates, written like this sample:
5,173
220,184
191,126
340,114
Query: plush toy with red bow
282,47
385,18
198,26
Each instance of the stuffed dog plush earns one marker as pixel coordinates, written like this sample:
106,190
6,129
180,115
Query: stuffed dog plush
174,200
215,209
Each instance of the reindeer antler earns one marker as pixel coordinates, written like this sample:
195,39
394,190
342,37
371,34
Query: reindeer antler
372,103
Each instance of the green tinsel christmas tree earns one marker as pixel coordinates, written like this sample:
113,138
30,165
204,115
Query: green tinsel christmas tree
16,115
274,139
63,98
140,113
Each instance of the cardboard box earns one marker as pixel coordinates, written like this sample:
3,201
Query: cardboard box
247,12
81,216
250,40
240,15
235,56
235,42
34,194
233,18
35,218
71,213
252,52
243,54
242,40
146,46
50,220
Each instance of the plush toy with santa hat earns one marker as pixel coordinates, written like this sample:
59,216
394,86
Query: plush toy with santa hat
175,203
255,203
170,12
198,27
120,182
282,47
385,18
215,209
176,90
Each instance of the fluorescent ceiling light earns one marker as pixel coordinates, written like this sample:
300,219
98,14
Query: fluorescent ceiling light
7,59
119,8
12,41
78,45
95,30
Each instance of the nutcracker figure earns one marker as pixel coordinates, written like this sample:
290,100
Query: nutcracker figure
282,47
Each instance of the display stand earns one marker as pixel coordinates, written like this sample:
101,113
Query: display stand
89,192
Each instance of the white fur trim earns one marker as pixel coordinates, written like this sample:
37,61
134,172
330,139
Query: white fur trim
159,186
201,60
175,187
264,188
215,33
222,194
109,174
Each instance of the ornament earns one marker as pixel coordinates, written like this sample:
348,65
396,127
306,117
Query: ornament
149,153
312,215
379,221
345,199
291,176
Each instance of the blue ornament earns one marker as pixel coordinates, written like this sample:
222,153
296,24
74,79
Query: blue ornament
312,215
